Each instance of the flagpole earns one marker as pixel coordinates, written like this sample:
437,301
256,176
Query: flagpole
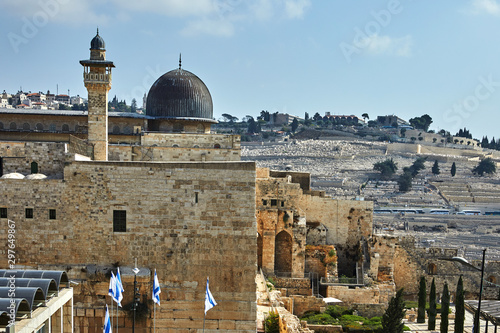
204,316
111,317
116,318
154,317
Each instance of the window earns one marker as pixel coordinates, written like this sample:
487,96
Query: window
195,197
3,213
52,214
1,125
119,221
34,167
13,126
274,202
65,128
29,213
264,202
282,204
116,130
39,127
52,127
26,126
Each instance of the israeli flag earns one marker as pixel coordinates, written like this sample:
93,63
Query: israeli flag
115,291
112,284
156,290
209,299
107,322
119,280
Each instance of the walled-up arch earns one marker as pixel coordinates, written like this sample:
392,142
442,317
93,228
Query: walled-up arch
432,269
283,252
492,279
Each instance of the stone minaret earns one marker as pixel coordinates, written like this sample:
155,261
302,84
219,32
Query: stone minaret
97,79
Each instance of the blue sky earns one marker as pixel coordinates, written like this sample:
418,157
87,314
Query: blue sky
403,57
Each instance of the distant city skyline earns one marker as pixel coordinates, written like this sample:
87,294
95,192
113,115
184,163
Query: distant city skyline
400,57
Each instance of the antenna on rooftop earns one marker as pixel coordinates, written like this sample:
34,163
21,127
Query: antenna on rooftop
180,60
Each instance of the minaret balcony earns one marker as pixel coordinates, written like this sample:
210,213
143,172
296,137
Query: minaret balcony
96,78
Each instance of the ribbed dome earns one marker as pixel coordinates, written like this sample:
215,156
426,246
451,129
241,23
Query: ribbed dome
179,94
97,42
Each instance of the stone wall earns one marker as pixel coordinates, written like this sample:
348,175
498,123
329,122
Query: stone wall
127,153
49,156
376,294
224,141
187,220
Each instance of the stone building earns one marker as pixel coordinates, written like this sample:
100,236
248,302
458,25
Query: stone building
181,203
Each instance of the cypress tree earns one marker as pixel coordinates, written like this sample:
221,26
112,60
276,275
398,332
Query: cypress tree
445,308
431,324
435,168
460,307
453,169
422,295
392,320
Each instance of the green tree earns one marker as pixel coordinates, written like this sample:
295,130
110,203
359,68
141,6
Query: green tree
445,308
133,105
453,169
485,166
460,307
404,181
418,165
435,168
431,324
422,122
422,295
392,320
365,116
253,126
295,124
387,168
317,116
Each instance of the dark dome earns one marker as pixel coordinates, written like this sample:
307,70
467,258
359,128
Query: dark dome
97,43
179,94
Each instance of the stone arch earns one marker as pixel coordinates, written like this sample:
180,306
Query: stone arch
65,128
39,127
12,126
177,128
26,127
217,146
260,245
432,269
200,128
283,252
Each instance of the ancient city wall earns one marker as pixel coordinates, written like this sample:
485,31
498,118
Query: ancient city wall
127,153
188,221
49,156
348,221
190,140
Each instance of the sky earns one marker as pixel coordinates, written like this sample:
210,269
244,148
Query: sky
402,57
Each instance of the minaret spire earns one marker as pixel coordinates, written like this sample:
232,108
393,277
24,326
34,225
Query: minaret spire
180,61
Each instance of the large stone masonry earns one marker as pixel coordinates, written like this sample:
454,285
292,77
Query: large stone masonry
186,220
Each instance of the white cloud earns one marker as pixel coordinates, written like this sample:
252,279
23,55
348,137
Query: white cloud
385,45
296,8
213,17
486,6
